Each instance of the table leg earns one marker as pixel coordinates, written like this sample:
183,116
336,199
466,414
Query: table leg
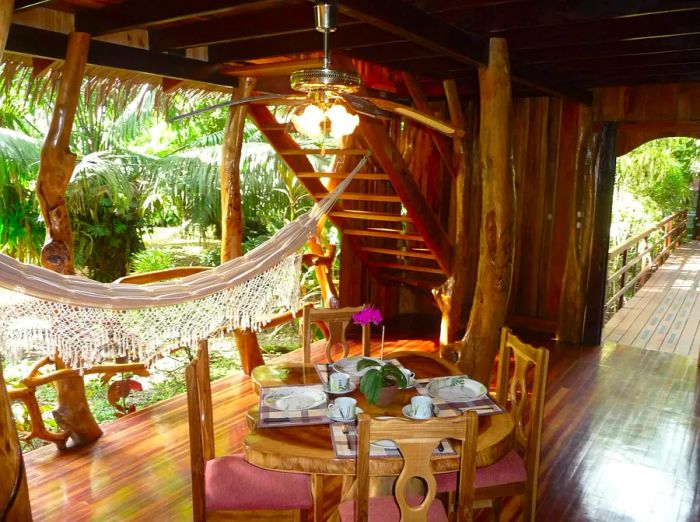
317,492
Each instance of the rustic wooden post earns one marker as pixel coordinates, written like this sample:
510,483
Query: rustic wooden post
55,170
14,495
454,296
477,350
578,253
57,161
232,213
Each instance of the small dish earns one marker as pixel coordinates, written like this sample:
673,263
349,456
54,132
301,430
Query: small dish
349,365
406,410
384,443
350,388
338,418
456,389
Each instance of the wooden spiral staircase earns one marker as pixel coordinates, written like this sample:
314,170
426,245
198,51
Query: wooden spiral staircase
383,215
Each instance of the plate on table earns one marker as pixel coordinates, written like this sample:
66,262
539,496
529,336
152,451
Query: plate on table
385,444
455,389
349,365
294,399
349,388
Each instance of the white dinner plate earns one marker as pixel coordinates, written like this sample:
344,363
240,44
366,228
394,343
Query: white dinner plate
455,389
386,444
349,365
294,399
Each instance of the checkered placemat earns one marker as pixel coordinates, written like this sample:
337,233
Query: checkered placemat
344,438
270,417
482,406
324,370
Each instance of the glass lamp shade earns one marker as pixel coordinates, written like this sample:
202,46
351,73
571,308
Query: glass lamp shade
342,122
309,121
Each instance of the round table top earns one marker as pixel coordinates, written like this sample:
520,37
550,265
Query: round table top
309,449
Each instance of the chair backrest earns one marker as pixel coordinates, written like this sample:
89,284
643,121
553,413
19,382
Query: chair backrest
336,321
201,424
417,442
513,391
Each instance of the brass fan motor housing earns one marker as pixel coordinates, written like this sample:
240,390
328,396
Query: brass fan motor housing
325,79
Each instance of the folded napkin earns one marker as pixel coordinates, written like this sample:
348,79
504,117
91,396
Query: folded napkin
344,438
273,418
483,406
324,370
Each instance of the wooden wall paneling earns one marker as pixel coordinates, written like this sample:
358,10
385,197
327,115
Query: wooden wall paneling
604,185
664,102
521,112
550,186
563,197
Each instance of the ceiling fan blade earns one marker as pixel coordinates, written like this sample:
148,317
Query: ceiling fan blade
267,97
364,106
421,117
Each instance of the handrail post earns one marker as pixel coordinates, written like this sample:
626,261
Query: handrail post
623,277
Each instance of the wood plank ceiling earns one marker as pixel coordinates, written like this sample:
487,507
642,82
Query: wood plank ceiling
561,47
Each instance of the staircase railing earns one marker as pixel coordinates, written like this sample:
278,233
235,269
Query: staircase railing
631,263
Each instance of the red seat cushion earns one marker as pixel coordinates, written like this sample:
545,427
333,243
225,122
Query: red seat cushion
509,470
385,509
232,483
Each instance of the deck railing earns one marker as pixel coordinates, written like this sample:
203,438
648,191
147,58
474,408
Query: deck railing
631,263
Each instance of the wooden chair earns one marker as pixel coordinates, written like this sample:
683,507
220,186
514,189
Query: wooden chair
517,473
416,441
336,320
229,488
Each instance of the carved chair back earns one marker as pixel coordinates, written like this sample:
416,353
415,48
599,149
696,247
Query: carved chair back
336,321
417,443
525,405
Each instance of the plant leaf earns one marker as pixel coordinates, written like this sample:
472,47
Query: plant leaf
371,385
389,370
366,363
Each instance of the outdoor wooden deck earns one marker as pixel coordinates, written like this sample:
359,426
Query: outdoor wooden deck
665,314
620,443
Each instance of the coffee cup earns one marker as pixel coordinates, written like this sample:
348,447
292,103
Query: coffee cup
338,382
421,407
410,376
343,408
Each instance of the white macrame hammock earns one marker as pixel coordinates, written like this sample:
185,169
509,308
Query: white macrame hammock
86,321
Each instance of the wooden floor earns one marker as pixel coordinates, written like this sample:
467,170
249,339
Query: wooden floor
665,314
621,442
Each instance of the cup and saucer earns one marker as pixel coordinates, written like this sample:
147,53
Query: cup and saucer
410,377
420,408
339,383
343,409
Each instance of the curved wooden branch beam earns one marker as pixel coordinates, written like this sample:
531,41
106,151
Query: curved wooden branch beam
57,162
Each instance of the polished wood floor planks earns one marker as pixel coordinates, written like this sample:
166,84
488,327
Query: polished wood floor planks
621,441
664,315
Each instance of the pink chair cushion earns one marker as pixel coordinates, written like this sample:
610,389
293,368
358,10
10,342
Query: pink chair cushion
509,470
231,483
386,509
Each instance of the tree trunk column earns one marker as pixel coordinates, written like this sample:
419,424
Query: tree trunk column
477,350
232,213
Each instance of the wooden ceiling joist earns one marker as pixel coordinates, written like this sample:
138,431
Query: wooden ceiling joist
447,40
52,45
134,14
21,5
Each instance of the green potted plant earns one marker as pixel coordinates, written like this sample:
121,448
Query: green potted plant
381,381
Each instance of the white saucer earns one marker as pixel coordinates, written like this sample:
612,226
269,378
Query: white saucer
406,410
338,418
351,387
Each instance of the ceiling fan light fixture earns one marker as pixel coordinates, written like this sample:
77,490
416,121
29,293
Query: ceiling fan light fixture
325,79
342,122
309,120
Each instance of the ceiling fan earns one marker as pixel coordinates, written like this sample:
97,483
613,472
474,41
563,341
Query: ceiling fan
324,94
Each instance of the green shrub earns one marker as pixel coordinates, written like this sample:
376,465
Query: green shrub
151,259
211,257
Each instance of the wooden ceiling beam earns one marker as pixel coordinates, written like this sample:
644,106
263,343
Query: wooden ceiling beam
676,23
52,45
303,42
21,5
615,63
393,53
419,27
609,49
286,20
133,14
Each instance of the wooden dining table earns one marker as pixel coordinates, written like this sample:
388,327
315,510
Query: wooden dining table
309,449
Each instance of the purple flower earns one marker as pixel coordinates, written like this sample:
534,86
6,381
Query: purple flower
369,314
